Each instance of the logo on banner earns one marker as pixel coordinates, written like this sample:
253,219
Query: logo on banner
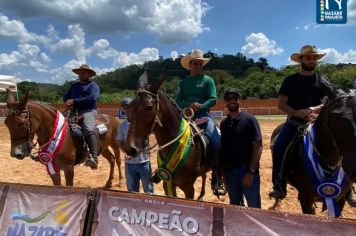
38,224
331,11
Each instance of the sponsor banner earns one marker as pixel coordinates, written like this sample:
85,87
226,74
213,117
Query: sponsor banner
121,213
139,214
331,11
263,222
35,210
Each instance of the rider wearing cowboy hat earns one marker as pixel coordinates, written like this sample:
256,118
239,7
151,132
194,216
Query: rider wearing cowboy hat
300,96
81,98
198,92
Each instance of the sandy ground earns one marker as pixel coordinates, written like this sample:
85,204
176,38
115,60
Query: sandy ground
29,172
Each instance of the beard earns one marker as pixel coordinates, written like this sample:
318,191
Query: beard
233,107
308,68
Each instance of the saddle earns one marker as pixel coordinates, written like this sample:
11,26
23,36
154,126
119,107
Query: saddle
78,136
198,131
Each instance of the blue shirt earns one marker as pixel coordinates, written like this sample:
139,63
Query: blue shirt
121,136
84,95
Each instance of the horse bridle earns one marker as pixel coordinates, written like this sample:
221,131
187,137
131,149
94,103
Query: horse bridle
29,137
157,120
325,123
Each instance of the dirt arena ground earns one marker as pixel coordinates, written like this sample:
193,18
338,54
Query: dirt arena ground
30,172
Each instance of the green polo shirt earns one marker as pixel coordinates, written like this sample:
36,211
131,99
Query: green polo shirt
199,89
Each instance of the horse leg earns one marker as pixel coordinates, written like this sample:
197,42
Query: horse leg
307,204
341,203
111,159
56,179
118,162
189,191
202,191
69,175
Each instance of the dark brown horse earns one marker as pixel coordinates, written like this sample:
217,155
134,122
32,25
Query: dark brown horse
27,119
333,146
153,112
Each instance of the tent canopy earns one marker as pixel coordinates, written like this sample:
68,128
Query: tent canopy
8,81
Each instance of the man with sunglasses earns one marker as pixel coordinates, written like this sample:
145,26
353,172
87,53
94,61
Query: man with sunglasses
198,92
241,148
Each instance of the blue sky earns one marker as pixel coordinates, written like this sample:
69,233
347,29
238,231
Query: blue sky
43,40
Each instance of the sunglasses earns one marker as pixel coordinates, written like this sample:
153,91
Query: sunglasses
230,98
197,63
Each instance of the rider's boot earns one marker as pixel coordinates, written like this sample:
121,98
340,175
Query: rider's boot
217,184
92,160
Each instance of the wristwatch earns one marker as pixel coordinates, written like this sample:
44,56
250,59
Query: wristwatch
251,171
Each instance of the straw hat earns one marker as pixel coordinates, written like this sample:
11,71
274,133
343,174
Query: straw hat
306,50
85,67
197,54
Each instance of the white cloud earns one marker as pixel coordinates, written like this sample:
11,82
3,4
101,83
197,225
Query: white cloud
74,42
147,54
308,26
334,57
172,21
258,44
27,56
174,55
16,29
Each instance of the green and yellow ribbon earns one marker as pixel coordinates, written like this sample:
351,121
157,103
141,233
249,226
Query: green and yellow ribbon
175,159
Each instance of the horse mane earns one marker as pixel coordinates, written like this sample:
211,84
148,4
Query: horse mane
171,100
42,104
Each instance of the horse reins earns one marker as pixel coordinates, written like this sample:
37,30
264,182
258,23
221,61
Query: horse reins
157,120
326,127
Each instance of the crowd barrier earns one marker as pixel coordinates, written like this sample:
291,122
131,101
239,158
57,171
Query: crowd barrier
61,211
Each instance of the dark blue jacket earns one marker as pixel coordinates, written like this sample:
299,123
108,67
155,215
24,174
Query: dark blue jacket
84,95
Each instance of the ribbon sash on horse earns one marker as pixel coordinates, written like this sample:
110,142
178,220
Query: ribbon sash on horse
327,188
175,159
49,152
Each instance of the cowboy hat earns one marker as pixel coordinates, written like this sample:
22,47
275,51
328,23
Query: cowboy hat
85,67
197,54
306,50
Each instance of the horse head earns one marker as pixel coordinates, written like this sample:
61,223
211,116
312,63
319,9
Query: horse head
339,115
18,121
143,115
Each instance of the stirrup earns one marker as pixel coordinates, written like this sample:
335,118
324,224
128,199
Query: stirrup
91,162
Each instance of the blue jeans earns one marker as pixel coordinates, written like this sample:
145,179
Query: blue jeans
237,190
136,172
212,132
284,138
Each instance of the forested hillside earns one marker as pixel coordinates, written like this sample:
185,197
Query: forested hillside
255,79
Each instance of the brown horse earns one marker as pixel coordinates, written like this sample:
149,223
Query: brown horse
27,119
153,111
333,146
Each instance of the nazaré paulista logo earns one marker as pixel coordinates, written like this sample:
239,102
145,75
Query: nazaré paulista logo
331,11
55,221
